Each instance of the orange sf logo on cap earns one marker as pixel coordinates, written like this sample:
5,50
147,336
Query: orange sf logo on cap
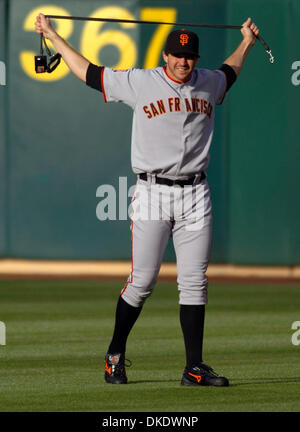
184,39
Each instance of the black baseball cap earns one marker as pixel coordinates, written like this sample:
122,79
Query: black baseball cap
182,42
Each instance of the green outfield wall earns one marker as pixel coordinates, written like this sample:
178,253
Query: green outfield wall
3,120
60,143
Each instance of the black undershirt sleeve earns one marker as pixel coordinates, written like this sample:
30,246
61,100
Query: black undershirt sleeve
93,77
230,74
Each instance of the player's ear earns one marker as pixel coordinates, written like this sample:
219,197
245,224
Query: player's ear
165,56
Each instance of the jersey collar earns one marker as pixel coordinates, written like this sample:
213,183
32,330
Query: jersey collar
174,80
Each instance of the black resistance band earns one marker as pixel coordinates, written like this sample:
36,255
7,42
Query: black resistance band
217,26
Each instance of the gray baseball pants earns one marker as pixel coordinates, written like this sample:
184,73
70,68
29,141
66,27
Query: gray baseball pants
158,213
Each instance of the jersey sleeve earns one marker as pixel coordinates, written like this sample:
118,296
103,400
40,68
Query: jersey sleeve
121,85
220,85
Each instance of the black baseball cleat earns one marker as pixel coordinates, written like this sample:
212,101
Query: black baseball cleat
203,375
115,372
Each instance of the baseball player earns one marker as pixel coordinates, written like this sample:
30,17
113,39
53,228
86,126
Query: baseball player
173,123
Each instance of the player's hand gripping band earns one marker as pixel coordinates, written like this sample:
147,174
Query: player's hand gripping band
218,26
41,65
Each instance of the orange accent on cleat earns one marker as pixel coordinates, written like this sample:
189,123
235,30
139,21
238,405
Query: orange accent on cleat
198,377
107,369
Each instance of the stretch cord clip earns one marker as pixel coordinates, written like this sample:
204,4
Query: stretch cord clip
41,63
267,48
271,56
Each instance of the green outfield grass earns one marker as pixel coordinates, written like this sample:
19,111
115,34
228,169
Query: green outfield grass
57,334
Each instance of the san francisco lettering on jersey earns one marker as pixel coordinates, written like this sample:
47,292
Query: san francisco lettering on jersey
175,104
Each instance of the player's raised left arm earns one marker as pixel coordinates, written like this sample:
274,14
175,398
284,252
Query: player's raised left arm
249,31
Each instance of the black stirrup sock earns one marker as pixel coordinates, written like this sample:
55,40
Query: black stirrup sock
192,324
126,316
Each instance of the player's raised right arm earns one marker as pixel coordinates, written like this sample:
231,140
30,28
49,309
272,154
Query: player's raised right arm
75,61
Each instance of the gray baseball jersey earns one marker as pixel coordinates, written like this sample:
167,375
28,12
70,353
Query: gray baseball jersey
173,122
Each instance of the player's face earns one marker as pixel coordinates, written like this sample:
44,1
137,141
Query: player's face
180,67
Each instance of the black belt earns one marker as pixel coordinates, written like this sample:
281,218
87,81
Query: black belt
168,182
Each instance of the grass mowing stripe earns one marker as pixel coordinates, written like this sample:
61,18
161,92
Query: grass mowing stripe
58,332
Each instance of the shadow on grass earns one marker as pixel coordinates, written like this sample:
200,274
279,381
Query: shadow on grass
257,381
260,381
152,381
